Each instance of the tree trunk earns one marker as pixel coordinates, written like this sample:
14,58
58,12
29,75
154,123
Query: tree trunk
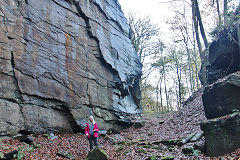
194,49
219,14
186,39
158,90
190,71
225,11
165,84
238,35
161,97
179,87
201,24
177,95
197,19
197,32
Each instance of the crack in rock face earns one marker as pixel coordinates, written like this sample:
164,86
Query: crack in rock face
61,61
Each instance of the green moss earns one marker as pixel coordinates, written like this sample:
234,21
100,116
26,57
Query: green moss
171,142
123,142
142,151
128,143
124,153
97,154
119,149
147,146
167,158
171,149
157,147
47,135
131,142
153,157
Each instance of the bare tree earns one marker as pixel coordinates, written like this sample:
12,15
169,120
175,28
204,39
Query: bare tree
198,22
161,65
141,32
199,19
175,58
219,14
225,11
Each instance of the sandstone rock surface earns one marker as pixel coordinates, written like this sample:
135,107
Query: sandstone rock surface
222,134
62,60
224,53
222,98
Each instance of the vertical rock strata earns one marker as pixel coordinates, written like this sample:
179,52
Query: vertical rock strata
61,61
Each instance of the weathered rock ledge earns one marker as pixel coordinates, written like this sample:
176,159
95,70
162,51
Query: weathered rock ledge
222,97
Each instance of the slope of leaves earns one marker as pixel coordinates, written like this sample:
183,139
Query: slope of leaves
130,143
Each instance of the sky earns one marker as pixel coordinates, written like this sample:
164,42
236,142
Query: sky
156,9
159,11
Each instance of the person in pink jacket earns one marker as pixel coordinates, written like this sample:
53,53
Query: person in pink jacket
91,132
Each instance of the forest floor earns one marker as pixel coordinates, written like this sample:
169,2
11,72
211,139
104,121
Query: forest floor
130,144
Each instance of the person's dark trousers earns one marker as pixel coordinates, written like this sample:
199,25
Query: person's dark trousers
91,140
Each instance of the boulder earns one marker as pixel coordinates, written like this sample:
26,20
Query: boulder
161,122
82,124
186,140
102,133
11,118
224,54
112,130
139,124
222,98
64,62
97,154
222,134
188,150
197,137
9,155
25,138
171,142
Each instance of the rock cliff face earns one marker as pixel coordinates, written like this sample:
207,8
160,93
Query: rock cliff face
221,98
62,60
224,54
